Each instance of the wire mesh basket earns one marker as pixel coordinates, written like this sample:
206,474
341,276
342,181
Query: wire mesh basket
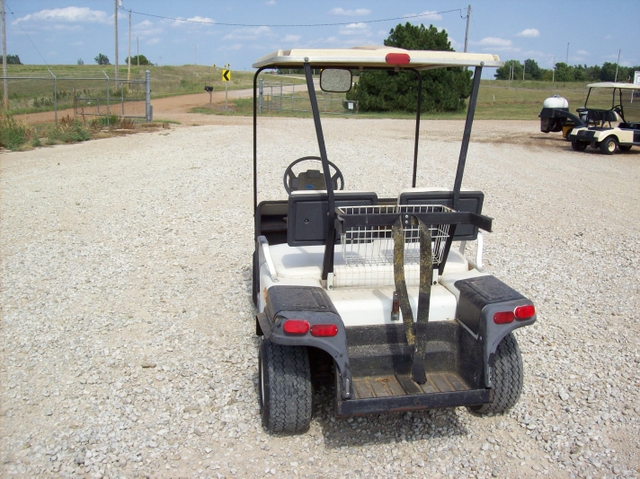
374,245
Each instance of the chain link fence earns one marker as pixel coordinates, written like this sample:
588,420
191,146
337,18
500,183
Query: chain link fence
79,96
282,96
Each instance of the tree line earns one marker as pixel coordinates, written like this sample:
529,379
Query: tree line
512,70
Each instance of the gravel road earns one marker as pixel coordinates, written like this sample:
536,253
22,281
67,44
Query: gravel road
127,340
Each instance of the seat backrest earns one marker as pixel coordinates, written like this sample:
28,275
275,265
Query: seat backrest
308,213
469,201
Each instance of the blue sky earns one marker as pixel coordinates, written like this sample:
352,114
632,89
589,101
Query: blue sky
210,32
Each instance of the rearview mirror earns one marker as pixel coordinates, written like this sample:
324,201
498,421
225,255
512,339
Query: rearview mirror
335,80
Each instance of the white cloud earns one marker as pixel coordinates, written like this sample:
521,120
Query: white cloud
291,38
349,13
146,29
529,33
153,41
582,53
270,2
68,14
199,19
249,33
426,15
495,42
355,29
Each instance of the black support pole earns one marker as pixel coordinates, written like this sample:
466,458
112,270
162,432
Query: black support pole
327,263
466,137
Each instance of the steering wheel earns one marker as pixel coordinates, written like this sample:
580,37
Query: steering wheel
311,179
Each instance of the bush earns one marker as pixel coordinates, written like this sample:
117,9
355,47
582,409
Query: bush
12,133
69,130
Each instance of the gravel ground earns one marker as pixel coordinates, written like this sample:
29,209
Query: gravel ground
127,342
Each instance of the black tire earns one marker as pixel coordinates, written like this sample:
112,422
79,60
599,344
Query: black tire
507,376
284,388
624,147
609,145
578,145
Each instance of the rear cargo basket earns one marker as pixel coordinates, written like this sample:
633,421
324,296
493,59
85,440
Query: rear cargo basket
373,244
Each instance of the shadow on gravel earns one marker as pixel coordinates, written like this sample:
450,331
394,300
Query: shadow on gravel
382,428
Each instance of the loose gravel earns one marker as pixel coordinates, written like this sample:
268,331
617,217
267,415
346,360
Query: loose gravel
127,343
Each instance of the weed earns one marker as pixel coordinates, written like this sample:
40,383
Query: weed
13,134
69,130
127,124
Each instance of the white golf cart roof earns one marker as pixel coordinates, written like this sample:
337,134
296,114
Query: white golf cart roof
376,57
610,84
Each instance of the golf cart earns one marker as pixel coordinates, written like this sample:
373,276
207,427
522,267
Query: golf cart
378,290
611,117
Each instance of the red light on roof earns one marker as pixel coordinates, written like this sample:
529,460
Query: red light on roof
503,317
397,58
296,326
525,312
324,330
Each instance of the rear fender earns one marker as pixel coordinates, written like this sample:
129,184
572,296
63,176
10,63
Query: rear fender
480,299
311,304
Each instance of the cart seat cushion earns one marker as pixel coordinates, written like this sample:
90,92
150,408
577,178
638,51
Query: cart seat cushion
307,213
469,201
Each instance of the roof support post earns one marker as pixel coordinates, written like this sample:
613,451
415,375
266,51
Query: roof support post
327,263
462,159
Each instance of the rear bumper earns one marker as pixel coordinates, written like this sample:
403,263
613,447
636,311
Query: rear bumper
413,402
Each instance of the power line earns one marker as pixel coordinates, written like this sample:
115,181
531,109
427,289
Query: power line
286,25
25,33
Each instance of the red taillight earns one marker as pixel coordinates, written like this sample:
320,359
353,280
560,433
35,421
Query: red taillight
397,58
525,312
324,330
295,326
503,317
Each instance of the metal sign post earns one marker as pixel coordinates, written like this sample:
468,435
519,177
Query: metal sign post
226,78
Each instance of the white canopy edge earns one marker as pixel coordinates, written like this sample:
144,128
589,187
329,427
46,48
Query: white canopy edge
610,84
374,56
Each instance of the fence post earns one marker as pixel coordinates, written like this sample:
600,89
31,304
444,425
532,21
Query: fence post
260,95
108,112
281,95
147,88
122,98
55,97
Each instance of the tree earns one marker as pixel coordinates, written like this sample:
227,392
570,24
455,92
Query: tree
608,72
102,59
444,89
80,61
13,60
138,60
512,70
531,70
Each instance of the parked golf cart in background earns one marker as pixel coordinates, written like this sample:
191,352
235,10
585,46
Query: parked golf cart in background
375,289
611,118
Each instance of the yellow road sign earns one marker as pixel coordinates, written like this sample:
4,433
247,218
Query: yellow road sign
226,75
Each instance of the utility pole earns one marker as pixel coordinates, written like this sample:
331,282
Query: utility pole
115,26
4,60
553,77
138,52
466,32
617,64
129,56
